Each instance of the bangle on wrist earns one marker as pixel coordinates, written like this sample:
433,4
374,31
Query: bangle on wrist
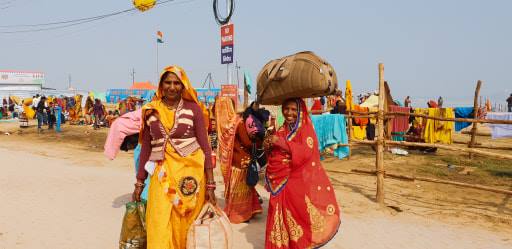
138,184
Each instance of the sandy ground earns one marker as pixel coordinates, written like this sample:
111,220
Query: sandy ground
68,195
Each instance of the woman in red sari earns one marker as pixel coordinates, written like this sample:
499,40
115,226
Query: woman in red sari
303,211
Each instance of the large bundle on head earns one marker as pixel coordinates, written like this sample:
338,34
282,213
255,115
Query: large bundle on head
302,75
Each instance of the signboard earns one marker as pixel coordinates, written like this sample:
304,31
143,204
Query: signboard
21,77
207,95
227,42
116,95
229,91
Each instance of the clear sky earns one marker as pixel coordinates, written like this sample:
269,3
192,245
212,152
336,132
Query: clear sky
429,48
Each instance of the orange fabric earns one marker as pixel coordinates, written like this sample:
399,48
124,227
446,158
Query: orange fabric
227,120
241,199
360,121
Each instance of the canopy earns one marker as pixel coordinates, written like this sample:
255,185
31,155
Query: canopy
98,95
372,101
143,86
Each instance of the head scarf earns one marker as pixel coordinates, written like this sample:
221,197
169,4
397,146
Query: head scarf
255,121
303,119
188,93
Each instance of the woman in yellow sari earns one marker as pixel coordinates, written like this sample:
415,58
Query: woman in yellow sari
177,156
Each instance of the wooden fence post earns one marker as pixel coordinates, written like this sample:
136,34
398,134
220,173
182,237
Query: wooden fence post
475,111
380,138
349,122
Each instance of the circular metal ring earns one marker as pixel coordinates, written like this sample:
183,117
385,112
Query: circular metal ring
218,18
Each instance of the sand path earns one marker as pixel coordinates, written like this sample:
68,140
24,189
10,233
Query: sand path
64,202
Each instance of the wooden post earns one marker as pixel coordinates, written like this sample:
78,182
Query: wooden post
475,111
380,139
349,121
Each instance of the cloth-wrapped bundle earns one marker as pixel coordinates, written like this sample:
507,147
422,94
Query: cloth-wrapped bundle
302,75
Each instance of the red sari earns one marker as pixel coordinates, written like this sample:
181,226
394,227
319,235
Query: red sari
303,212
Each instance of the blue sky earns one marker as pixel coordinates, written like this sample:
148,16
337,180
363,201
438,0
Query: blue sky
429,48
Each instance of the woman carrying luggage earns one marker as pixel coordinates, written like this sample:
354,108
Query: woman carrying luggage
303,211
176,154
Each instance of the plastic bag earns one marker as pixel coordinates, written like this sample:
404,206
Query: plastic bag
133,231
211,230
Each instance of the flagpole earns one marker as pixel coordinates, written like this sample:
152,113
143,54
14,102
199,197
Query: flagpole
157,62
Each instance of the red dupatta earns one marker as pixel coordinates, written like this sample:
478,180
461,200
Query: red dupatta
303,211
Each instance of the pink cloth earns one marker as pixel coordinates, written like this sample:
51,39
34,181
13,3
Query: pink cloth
125,125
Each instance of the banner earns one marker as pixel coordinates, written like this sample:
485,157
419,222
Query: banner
227,42
230,91
21,77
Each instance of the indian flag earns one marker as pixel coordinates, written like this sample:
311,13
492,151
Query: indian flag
159,38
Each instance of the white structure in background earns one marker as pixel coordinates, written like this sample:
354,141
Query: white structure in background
20,83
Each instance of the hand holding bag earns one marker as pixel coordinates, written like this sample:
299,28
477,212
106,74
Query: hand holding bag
211,230
133,230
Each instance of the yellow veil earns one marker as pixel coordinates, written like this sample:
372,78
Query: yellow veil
189,93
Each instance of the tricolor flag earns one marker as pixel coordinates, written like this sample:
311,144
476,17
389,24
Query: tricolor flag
159,38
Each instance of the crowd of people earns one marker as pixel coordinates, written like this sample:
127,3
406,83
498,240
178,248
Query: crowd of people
45,109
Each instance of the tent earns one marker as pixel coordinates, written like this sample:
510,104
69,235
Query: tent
98,95
372,101
143,86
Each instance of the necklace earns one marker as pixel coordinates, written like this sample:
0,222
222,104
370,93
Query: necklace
170,107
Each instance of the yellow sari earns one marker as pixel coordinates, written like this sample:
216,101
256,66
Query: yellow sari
170,212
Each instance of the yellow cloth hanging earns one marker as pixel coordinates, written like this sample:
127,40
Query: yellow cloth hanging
348,96
439,131
359,132
373,109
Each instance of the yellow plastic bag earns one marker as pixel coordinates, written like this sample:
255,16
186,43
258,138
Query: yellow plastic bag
133,231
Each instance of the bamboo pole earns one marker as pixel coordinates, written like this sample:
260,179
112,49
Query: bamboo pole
469,120
379,160
363,113
475,113
447,147
484,146
359,116
427,179
493,147
357,141
349,121
478,133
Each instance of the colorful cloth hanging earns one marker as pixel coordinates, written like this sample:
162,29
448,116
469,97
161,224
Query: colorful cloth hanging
463,112
500,130
437,131
331,130
400,122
